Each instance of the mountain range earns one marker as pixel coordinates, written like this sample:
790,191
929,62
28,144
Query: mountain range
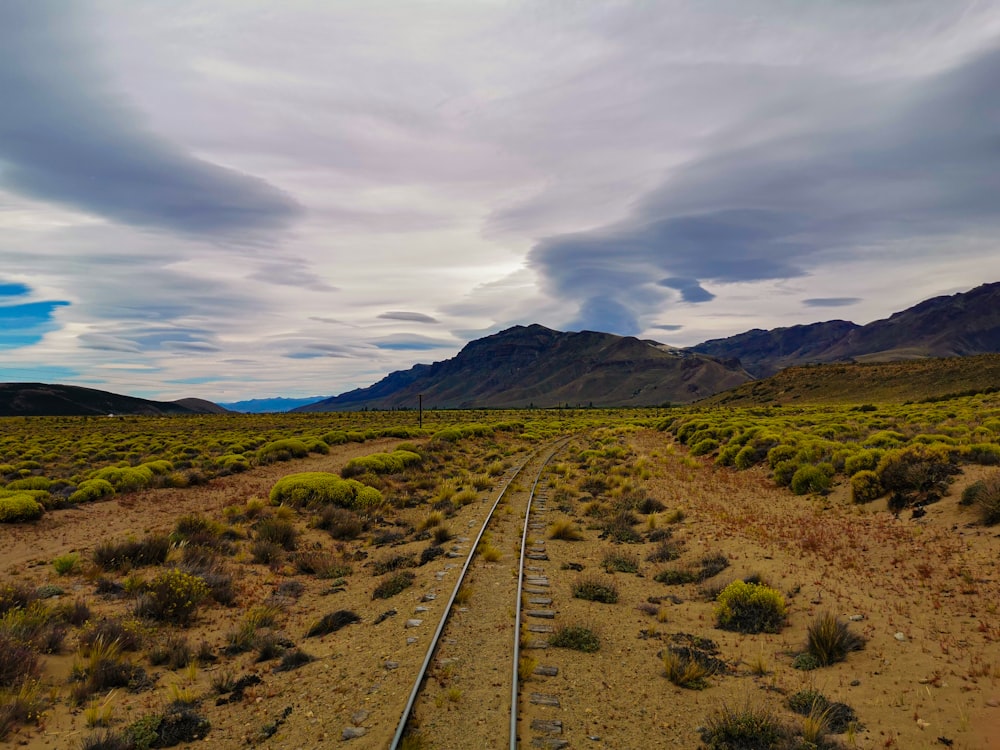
533,365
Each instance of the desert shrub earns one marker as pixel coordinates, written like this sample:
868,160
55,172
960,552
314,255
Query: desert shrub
829,640
865,486
19,507
381,463
595,590
750,608
160,467
916,473
332,622
316,488
18,661
863,460
264,552
66,564
132,553
431,553
232,463
809,479
727,456
15,595
282,450
577,638
987,454
970,493
103,669
464,497
126,634
126,478
390,564
619,528
91,490
837,717
393,585
885,439
322,564
341,523
277,531
293,660
30,483
666,550
987,500
708,566
780,453
747,728
684,671
334,437
172,596
441,534
620,562
173,652
565,530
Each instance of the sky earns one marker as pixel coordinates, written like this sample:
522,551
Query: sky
237,199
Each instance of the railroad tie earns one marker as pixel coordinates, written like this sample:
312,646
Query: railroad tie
541,600
544,699
546,726
549,743
541,628
546,671
541,614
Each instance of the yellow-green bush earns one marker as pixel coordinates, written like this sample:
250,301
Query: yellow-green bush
30,483
90,490
317,488
750,608
865,486
126,478
381,463
808,479
159,467
19,506
173,596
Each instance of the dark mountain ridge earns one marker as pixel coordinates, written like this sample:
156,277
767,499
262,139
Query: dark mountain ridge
537,366
44,400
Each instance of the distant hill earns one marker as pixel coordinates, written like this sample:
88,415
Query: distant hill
957,325
536,366
43,400
858,383
267,405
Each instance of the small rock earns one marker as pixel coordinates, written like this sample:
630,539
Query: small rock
359,716
855,683
391,665
410,641
352,733
993,702
900,637
428,597
414,623
856,618
419,610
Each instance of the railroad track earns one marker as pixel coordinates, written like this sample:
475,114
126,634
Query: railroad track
466,691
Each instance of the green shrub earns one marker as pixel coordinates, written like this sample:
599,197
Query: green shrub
780,453
885,439
865,486
91,490
784,471
837,717
987,500
332,622
620,562
19,507
863,460
30,483
685,671
727,456
314,489
829,640
987,454
160,467
277,531
282,450
66,564
704,447
381,463
335,437
808,479
126,478
233,463
750,608
577,638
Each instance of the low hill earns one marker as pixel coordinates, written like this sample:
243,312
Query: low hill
44,400
268,405
957,325
913,380
535,366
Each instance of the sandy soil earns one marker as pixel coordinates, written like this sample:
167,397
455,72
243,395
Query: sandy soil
927,589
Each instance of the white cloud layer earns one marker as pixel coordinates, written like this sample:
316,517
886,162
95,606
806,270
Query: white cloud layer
259,198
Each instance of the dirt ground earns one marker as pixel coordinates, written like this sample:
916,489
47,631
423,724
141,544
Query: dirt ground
924,592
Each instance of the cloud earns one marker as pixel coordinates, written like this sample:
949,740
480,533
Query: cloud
412,342
879,167
67,137
292,272
830,301
413,317
690,289
668,327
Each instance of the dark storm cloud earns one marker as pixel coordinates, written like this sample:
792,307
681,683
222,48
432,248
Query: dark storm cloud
690,289
830,301
67,137
877,165
412,317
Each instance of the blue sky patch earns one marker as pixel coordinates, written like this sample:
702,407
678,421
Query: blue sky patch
13,289
24,325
